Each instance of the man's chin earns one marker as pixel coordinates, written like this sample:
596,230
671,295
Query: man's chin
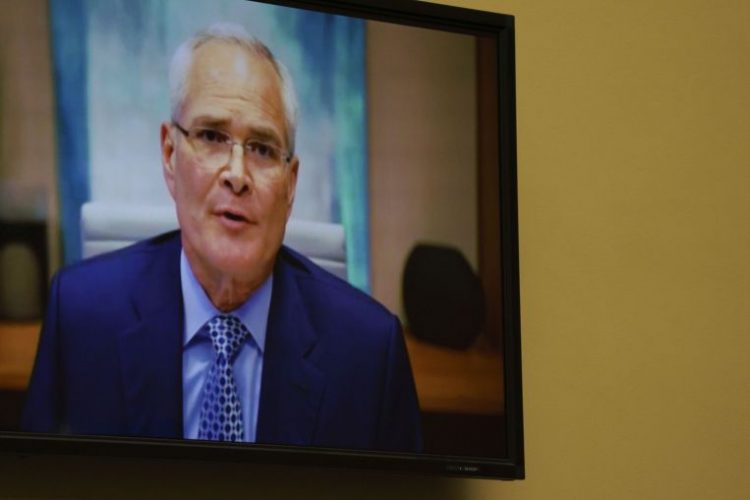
225,256
243,267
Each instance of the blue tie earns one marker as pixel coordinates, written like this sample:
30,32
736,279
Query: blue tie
221,413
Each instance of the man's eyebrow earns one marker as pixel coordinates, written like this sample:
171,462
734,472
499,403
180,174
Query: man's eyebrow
265,134
211,121
255,132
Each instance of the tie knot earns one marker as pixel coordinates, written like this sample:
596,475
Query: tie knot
227,334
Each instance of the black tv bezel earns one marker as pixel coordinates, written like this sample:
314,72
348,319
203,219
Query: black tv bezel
499,28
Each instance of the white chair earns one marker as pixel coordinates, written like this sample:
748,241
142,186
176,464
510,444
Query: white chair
109,226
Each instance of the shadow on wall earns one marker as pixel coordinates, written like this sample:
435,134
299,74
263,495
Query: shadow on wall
82,477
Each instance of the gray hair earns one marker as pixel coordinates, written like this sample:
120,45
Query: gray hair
232,34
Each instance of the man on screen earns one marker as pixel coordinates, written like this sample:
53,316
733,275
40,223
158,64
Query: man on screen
217,331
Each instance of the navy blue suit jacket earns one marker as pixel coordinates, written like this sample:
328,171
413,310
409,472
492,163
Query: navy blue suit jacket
109,361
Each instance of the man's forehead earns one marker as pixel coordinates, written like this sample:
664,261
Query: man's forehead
221,60
229,84
231,71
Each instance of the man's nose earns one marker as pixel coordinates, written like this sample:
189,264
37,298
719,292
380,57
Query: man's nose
235,176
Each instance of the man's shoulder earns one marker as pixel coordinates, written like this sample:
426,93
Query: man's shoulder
117,269
325,292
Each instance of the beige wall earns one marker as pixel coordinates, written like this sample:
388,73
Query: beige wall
634,168
634,173
27,141
423,154
26,114
27,154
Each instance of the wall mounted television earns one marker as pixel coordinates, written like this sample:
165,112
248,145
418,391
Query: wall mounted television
403,353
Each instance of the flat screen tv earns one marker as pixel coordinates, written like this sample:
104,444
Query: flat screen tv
327,187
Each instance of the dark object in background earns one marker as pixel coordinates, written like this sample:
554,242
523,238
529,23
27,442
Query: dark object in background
23,269
443,298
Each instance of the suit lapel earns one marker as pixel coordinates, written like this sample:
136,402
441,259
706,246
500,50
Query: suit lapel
151,357
291,387
151,348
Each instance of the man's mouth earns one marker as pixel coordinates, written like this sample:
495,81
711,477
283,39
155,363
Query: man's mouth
234,216
231,215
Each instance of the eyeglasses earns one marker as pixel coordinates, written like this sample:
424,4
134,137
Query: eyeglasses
215,149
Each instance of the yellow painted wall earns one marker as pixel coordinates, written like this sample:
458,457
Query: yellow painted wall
634,171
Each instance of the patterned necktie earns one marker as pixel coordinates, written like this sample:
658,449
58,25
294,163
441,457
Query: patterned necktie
221,413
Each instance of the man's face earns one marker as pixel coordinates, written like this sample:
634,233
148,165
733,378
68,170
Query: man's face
232,216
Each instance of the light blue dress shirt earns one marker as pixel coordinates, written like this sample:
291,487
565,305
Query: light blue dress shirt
198,354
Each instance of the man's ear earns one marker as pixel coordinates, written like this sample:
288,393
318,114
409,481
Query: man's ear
292,186
167,156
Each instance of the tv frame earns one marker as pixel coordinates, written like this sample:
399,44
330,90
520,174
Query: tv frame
499,28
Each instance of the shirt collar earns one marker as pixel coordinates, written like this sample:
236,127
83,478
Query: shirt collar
253,313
